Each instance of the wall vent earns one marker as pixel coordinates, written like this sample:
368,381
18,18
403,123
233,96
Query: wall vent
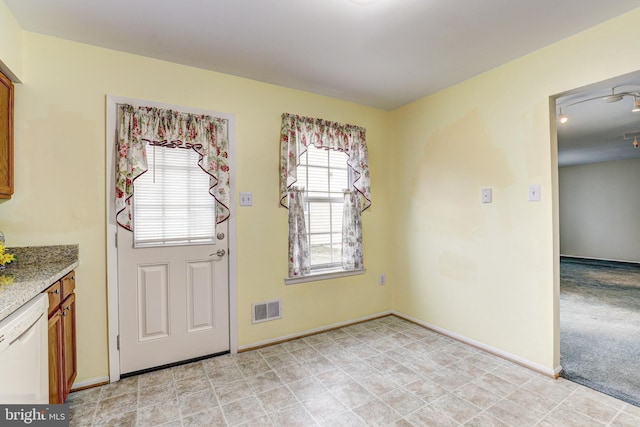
263,311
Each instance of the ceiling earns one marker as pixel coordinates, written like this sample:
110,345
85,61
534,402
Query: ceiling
384,54
595,130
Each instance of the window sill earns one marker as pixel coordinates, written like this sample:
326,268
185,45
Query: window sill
323,275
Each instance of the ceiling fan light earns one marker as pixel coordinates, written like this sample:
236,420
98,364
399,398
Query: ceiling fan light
614,98
562,118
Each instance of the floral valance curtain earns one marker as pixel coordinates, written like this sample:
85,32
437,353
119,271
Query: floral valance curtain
298,132
140,126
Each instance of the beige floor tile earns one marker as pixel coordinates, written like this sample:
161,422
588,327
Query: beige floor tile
192,385
122,419
476,395
208,418
82,415
485,420
449,379
379,384
280,360
190,370
151,379
149,396
624,419
242,411
192,403
429,416
496,385
563,417
377,413
253,368
224,375
307,388
263,382
84,397
294,416
426,390
318,365
632,410
158,414
513,414
334,379
353,395
591,408
402,401
324,406
555,390
373,373
532,401
276,399
117,405
458,409
118,388
345,419
229,392
292,373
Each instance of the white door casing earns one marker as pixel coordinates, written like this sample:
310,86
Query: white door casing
195,266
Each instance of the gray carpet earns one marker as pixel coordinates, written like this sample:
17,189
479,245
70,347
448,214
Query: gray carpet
600,326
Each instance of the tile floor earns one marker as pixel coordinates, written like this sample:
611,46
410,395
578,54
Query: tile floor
385,372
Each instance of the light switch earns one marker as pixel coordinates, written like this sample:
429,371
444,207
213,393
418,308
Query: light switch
246,199
534,193
486,195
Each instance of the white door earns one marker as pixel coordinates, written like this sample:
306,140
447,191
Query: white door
174,299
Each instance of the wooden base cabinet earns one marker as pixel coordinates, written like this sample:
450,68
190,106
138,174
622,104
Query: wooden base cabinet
62,338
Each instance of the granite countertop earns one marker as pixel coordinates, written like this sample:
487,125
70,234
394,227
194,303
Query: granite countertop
37,268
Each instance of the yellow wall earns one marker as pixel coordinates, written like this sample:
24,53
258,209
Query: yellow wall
60,182
488,271
483,271
10,44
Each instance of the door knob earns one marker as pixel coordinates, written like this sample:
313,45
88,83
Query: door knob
219,252
220,236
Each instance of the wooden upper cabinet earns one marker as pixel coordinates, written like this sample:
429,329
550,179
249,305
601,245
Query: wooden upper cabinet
6,137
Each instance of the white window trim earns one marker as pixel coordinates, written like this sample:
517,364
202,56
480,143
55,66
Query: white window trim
333,273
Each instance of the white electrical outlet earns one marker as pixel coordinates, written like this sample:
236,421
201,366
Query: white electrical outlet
486,195
381,280
246,199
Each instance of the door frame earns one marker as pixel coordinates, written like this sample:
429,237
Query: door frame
111,226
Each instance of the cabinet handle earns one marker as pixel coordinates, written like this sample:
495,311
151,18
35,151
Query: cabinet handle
55,291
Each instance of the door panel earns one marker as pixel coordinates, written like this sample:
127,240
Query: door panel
153,301
201,296
173,302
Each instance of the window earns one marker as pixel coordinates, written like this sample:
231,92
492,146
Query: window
324,176
171,204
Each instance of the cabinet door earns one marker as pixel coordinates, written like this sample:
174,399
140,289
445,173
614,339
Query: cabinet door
55,359
69,345
6,137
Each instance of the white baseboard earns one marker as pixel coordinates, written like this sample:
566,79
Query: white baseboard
484,347
312,331
89,383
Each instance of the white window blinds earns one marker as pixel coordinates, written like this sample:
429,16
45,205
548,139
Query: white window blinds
172,204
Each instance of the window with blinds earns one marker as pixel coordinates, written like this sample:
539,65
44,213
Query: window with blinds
171,203
324,176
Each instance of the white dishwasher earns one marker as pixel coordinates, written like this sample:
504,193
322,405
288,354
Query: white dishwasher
24,360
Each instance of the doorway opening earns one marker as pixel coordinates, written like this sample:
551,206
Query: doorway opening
598,172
